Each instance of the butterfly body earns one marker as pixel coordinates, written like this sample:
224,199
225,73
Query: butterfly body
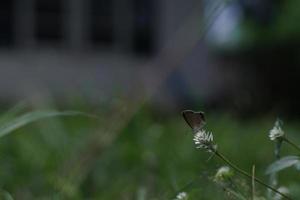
195,120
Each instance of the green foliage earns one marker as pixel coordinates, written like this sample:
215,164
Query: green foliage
151,156
4,195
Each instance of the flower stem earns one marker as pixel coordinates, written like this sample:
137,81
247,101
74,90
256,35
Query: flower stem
291,143
222,157
253,182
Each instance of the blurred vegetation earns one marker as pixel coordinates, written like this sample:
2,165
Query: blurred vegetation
261,24
143,155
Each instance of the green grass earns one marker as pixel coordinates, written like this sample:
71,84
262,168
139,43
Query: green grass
147,155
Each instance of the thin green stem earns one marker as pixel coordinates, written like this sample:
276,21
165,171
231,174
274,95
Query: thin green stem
222,157
291,143
253,182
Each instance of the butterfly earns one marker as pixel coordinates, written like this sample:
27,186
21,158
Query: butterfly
195,120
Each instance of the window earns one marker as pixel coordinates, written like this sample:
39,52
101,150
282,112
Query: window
144,20
124,25
101,22
49,20
6,22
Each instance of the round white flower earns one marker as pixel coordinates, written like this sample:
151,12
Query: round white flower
283,190
276,132
223,173
204,140
181,196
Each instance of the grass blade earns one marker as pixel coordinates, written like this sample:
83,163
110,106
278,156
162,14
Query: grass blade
283,163
20,121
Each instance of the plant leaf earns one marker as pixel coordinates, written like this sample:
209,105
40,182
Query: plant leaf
283,163
11,113
297,166
4,195
20,121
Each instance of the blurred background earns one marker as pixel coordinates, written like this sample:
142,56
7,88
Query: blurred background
137,64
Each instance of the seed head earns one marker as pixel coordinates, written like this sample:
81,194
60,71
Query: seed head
204,140
276,132
181,196
224,173
283,190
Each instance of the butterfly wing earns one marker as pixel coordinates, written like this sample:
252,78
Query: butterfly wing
194,119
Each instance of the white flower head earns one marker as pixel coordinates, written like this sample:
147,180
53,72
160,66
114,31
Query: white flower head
276,132
181,196
204,140
283,190
223,173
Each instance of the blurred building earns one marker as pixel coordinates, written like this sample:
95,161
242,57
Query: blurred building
59,45
77,24
94,46
100,48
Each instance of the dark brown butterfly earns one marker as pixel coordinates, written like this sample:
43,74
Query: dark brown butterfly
194,119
